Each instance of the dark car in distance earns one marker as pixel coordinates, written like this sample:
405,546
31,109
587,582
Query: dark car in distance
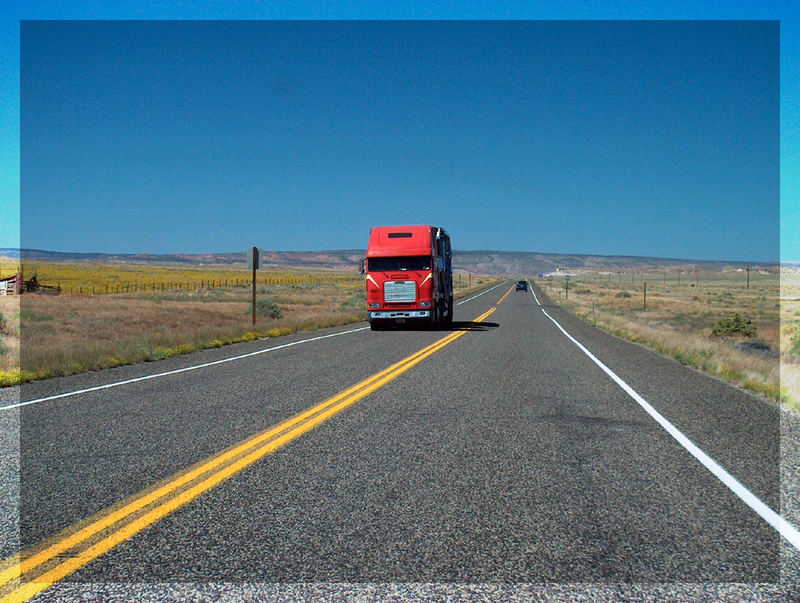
522,286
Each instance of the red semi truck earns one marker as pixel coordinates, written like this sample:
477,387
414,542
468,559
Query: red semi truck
409,276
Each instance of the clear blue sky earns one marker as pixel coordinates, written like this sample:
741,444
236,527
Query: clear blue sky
634,138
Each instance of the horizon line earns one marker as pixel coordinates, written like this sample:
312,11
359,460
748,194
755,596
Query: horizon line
21,250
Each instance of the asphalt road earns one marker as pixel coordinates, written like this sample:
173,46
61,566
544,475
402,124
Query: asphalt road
505,464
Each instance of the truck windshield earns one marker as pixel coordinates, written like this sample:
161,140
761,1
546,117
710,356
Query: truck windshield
401,263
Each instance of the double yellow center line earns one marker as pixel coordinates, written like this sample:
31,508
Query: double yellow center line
31,572
506,295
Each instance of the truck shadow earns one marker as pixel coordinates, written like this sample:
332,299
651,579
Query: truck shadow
457,325
469,325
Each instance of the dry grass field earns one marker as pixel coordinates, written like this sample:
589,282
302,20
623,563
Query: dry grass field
9,337
790,333
683,319
49,335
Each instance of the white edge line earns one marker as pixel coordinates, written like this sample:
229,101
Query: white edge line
481,293
784,528
176,371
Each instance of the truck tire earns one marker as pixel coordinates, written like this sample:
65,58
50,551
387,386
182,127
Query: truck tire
449,318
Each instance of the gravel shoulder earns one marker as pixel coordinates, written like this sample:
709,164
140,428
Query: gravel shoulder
790,491
9,474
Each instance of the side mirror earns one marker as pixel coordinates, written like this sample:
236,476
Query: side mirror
363,266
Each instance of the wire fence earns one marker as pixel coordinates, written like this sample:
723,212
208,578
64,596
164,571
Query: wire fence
460,281
172,286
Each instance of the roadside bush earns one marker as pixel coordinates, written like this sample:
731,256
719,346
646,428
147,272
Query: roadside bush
623,294
2,323
735,325
266,307
795,349
356,301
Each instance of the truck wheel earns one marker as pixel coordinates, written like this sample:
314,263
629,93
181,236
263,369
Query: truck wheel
449,319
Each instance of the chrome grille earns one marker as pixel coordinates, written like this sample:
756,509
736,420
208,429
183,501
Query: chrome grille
399,291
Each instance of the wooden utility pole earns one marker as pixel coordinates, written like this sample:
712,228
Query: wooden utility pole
748,276
254,289
644,301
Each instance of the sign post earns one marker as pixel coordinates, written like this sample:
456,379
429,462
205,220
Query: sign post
255,260
566,283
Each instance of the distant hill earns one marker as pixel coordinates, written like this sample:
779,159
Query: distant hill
527,263
501,263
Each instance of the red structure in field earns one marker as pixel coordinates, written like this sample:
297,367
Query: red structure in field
11,285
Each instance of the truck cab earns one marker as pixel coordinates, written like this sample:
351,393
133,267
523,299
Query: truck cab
408,275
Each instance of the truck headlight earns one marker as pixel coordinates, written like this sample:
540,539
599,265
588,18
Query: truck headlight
374,305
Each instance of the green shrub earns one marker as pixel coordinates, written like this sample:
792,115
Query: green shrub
2,322
623,294
795,349
29,316
357,300
735,325
265,307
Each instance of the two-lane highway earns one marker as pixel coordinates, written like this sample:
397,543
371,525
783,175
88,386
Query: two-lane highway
506,450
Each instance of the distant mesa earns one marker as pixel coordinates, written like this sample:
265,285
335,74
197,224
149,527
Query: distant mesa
499,263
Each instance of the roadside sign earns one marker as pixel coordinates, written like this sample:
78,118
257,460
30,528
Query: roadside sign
255,258
567,276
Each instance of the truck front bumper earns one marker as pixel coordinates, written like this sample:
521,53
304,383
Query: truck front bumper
392,314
